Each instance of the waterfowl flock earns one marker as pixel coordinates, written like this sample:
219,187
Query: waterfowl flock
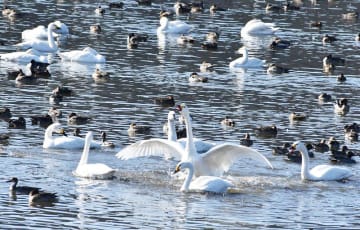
208,160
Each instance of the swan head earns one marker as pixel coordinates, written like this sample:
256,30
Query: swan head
299,146
14,180
241,50
183,165
89,135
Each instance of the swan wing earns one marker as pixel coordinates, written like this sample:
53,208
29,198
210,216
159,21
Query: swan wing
220,158
152,147
200,145
329,172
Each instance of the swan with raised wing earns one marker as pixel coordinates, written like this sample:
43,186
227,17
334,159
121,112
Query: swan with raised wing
319,172
214,162
64,141
92,171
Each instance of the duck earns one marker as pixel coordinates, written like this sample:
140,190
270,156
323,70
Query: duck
36,197
321,147
185,39
343,156
19,190
297,116
279,43
276,69
54,112
214,162
138,129
182,8
212,36
167,101
105,142
41,32
350,15
75,119
99,10
64,141
63,90
328,39
273,8
215,8
352,135
100,76
173,27
24,56
245,61
331,60
333,144
281,150
10,13
228,122
197,7
341,78
341,106
295,156
324,97
206,66
94,170
55,98
118,5
39,69
19,123
95,29
258,27
194,77
246,141
42,120
48,46
5,113
144,2
266,131
209,184
357,37
329,68
25,79
289,6
209,45
86,55
319,172
352,127
317,24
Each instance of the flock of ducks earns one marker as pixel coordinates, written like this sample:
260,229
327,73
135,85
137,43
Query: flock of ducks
205,162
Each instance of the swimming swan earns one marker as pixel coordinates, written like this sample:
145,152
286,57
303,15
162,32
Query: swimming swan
214,162
24,56
258,27
87,55
173,27
64,142
319,172
245,61
48,46
41,32
202,183
92,171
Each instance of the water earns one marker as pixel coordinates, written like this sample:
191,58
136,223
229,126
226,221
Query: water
144,194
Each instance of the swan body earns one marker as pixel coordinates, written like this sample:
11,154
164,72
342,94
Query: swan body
93,171
245,61
258,27
173,27
214,162
41,32
87,55
320,172
24,56
202,183
48,46
64,142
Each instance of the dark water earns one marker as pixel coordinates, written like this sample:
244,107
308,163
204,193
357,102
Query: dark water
144,194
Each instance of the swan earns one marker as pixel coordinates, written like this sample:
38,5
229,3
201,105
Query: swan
214,162
319,172
48,46
211,184
41,32
245,61
64,142
87,55
173,27
93,171
258,27
24,56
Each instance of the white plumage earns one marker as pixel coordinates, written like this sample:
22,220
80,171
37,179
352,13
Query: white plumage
258,27
245,61
87,55
173,27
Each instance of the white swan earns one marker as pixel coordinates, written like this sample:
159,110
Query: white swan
173,27
319,172
41,32
214,162
202,183
245,61
258,27
87,55
48,46
64,142
92,171
24,56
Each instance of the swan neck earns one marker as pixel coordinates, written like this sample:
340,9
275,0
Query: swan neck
304,164
245,54
85,154
186,184
52,43
48,132
190,147
171,131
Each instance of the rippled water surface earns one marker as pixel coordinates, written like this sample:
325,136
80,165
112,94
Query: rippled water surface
144,195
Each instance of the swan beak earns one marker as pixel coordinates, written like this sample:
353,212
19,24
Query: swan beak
177,169
62,131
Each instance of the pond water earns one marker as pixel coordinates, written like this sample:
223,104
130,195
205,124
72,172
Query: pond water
144,194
